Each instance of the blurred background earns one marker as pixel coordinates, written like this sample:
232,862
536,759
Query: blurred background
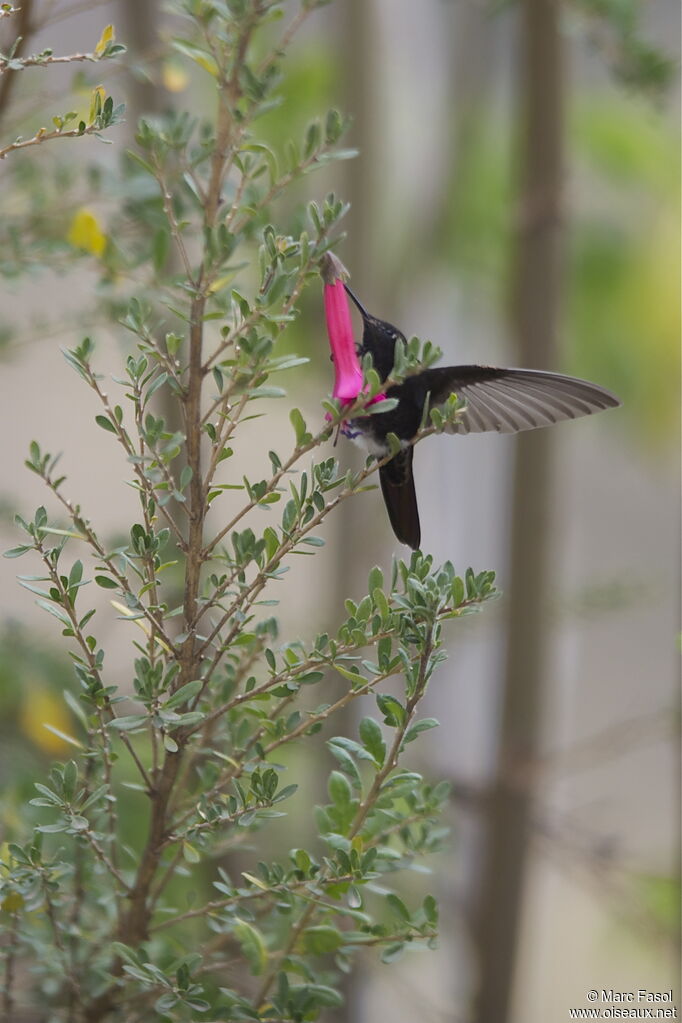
516,201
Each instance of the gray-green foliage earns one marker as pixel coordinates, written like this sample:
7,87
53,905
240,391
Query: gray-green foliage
216,692
614,26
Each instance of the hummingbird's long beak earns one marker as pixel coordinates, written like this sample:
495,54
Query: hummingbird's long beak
363,312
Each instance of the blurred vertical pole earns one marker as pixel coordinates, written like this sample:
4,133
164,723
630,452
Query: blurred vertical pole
361,64
359,70
535,323
141,23
358,76
16,43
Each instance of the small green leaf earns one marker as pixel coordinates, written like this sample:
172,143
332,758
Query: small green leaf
376,580
353,676
392,952
63,736
16,552
190,854
398,907
339,789
186,477
193,717
159,381
252,944
378,407
310,678
302,859
125,953
196,53
105,423
56,611
394,444
457,591
420,726
183,694
271,542
69,779
106,582
322,940
257,881
392,709
129,722
76,574
372,739
430,907
323,995
300,429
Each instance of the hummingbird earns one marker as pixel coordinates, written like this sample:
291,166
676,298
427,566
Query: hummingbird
497,400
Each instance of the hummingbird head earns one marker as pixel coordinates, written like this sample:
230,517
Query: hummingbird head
379,338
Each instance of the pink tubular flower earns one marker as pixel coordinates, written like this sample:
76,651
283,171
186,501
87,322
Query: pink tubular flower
348,379
347,371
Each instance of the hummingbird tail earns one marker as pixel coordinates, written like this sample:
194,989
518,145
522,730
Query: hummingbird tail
397,486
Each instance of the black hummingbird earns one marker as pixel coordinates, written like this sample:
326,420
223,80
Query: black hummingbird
500,400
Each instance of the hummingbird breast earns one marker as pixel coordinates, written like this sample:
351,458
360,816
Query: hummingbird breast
403,421
376,446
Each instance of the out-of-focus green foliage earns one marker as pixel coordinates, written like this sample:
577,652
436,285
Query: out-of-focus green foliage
622,278
661,897
310,86
624,266
32,679
613,26
478,223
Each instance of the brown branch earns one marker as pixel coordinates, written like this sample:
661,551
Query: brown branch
256,893
83,526
103,858
134,925
176,233
71,977
127,445
271,487
149,568
46,136
39,61
207,725
88,654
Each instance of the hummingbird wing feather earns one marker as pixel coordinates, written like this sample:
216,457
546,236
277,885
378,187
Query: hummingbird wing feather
397,486
509,400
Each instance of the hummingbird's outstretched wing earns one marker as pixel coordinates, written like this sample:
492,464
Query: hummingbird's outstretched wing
509,400
397,486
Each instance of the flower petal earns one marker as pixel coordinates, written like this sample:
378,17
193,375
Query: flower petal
347,371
